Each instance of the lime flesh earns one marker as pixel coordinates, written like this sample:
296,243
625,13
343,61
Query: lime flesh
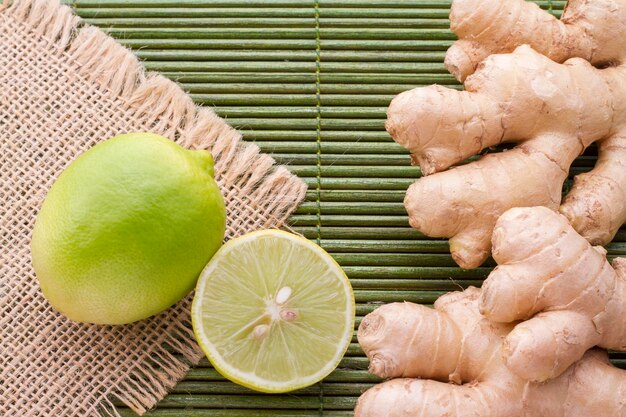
127,228
273,311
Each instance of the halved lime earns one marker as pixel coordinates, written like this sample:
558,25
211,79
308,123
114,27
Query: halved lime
273,311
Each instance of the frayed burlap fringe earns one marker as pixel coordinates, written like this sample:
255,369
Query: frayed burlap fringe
64,87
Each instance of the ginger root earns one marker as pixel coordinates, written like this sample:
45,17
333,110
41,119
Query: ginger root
596,204
486,27
571,298
513,97
455,343
554,111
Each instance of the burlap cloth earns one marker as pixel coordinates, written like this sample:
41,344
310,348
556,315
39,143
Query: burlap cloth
64,87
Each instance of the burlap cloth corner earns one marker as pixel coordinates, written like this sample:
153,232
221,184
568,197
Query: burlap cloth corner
64,87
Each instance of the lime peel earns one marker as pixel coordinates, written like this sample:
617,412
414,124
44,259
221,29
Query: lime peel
127,228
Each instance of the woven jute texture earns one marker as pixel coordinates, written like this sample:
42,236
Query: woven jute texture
64,87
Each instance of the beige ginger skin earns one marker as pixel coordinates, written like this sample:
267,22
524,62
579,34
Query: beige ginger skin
553,111
486,27
454,343
569,295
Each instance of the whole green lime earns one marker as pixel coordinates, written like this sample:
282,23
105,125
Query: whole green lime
127,228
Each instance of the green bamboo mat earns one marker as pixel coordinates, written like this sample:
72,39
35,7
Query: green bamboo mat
309,81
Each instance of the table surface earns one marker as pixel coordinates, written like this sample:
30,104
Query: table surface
309,82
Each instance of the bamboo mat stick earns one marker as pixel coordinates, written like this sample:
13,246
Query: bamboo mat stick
445,4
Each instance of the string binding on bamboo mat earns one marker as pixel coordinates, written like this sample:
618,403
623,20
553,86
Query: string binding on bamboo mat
50,366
